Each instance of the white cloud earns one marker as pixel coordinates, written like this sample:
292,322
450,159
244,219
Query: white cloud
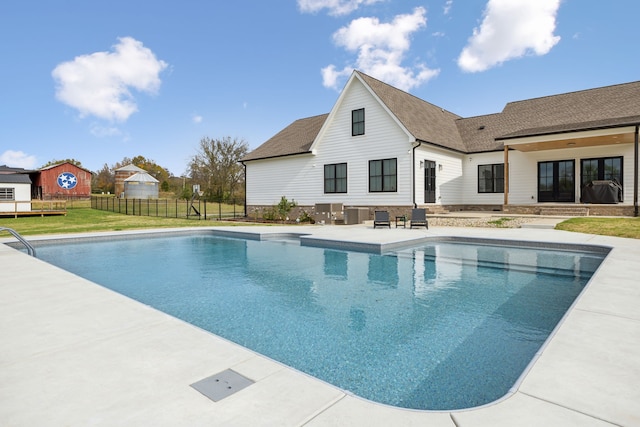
196,118
381,48
447,7
18,159
335,7
104,131
510,29
99,84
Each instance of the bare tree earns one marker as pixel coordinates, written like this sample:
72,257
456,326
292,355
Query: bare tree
215,167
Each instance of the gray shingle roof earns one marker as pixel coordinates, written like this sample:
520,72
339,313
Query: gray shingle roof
425,121
14,178
296,138
609,106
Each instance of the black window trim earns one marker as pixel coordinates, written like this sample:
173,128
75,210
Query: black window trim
493,179
603,159
395,184
335,179
359,122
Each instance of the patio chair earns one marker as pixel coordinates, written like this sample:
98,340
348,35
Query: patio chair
381,219
419,218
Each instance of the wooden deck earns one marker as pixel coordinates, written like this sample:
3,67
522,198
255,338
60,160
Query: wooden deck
34,213
36,208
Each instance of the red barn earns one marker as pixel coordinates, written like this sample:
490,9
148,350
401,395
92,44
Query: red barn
62,181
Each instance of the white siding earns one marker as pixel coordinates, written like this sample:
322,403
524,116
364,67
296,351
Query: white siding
470,171
449,175
297,177
22,202
523,172
302,177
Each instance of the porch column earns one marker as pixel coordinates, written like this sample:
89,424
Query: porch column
635,172
506,175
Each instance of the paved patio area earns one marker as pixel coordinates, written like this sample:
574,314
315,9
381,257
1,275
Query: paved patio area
75,354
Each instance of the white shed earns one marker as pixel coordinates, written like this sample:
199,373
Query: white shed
15,192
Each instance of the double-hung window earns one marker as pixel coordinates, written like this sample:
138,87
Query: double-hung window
357,122
383,175
335,178
491,178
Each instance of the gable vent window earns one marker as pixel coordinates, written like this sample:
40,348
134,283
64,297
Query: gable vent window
357,122
7,194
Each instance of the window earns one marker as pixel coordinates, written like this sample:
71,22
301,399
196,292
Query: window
335,178
604,168
383,175
7,194
357,122
491,178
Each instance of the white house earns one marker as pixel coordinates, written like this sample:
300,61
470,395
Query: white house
382,148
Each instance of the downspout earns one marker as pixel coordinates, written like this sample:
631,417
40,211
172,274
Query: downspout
246,215
635,173
413,168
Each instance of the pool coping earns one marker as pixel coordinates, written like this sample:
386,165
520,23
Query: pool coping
538,397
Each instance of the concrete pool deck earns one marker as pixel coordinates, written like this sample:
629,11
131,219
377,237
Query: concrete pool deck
73,353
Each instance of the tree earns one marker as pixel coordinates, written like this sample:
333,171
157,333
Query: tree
156,171
216,167
56,162
104,180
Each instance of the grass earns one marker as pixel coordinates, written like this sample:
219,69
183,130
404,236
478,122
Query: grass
84,219
79,220
618,227
501,222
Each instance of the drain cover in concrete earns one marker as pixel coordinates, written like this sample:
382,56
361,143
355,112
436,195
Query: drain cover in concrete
221,385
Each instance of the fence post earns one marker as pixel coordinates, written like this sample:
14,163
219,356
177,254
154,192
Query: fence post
176,208
205,210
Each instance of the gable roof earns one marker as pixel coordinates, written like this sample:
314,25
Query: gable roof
130,168
65,163
141,177
604,107
296,138
426,122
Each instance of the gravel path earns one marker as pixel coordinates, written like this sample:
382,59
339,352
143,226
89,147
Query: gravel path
490,222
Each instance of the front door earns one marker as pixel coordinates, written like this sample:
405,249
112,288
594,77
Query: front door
429,181
556,181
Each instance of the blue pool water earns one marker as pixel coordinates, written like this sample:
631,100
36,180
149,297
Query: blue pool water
440,326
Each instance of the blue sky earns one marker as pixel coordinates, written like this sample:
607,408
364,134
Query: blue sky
106,79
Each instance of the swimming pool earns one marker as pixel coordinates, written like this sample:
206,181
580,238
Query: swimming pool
438,326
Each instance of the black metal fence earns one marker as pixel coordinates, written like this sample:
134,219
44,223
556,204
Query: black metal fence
169,208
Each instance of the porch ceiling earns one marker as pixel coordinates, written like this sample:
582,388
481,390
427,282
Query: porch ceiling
581,139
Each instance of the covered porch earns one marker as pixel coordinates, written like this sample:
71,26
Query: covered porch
564,181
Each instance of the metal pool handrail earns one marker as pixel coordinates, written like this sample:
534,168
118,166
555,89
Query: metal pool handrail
30,250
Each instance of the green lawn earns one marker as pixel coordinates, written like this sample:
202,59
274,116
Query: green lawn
86,220
618,227
80,220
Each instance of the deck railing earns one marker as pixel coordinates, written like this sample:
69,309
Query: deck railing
17,208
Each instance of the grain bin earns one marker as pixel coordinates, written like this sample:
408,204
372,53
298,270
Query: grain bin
123,173
141,186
